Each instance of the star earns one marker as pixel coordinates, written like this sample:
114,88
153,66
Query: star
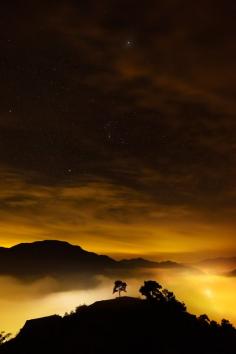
130,43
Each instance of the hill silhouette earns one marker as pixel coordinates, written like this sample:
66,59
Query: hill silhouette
124,325
232,273
31,261
218,264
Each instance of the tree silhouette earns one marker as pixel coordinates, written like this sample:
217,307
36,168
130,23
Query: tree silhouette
204,319
226,325
151,290
119,286
170,299
168,295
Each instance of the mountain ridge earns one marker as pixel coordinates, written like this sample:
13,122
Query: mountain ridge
58,259
219,265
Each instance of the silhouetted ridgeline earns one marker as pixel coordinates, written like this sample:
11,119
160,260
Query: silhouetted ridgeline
60,260
124,325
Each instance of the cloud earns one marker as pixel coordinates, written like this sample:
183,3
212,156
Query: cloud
118,147
109,218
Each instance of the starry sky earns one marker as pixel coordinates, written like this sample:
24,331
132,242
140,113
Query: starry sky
117,126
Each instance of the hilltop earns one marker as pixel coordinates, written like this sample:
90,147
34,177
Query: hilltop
124,325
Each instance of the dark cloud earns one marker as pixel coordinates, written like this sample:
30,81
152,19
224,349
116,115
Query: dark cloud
135,98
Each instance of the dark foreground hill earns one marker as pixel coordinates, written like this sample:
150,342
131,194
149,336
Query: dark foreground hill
124,325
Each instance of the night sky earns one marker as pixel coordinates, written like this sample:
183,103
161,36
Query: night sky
117,125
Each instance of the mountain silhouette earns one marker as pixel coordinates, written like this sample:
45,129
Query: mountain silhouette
31,261
124,325
218,264
232,273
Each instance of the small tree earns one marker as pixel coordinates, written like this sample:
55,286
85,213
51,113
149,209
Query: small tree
151,290
119,286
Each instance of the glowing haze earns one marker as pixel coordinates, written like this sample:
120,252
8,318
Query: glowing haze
111,219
